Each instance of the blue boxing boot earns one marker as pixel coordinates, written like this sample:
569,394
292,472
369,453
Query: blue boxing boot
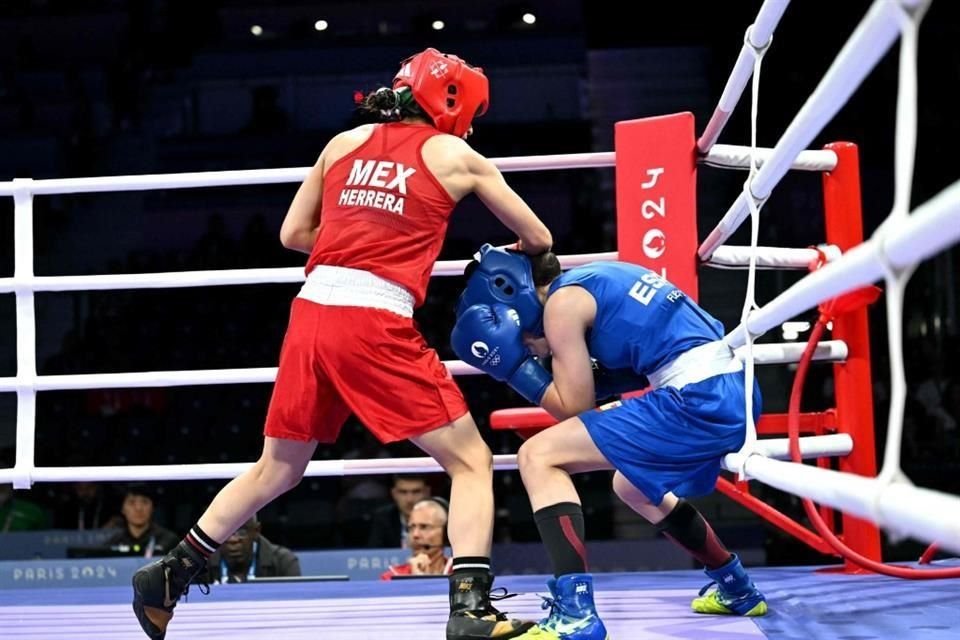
735,594
573,615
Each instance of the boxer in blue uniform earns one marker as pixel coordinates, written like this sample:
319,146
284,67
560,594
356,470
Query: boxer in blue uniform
608,328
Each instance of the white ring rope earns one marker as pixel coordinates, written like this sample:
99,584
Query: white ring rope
726,257
897,279
872,38
731,257
888,500
728,156
790,352
758,37
931,228
749,300
837,444
225,277
774,353
199,179
921,513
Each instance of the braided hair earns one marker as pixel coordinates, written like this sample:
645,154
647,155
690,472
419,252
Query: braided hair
389,105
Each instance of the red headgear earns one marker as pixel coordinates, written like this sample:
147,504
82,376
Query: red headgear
447,88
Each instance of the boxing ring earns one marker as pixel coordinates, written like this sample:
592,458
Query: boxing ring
652,185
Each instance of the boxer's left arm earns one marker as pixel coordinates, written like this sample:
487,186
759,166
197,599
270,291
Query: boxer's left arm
302,222
300,225
568,314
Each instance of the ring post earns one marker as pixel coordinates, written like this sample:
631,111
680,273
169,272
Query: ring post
656,181
26,333
853,386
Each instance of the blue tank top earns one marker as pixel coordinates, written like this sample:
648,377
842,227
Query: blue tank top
643,322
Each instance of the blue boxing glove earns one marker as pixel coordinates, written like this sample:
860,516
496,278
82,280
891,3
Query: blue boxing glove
489,338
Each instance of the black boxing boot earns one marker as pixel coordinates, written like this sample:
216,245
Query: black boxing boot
472,617
158,586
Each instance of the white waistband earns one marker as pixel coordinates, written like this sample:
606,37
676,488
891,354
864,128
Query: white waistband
343,287
695,365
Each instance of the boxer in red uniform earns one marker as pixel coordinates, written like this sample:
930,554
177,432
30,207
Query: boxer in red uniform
372,214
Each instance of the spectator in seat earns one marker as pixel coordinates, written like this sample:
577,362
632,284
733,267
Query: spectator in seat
248,554
140,535
388,528
427,530
18,514
85,506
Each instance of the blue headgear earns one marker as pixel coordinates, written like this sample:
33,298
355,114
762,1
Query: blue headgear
505,277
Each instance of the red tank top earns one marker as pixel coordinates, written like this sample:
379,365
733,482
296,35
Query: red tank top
383,211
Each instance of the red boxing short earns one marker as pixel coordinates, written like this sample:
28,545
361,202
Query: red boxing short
373,363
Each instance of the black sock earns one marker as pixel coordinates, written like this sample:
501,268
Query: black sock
470,563
686,527
198,545
562,531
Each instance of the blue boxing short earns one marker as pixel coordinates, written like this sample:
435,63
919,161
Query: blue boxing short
674,439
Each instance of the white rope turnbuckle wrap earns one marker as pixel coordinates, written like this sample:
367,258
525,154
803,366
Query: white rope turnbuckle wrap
749,300
896,279
870,41
757,38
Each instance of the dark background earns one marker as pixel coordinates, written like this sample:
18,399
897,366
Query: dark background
92,88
